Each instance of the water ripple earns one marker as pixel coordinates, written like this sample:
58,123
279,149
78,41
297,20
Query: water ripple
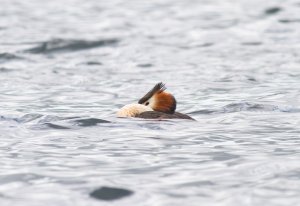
66,68
67,45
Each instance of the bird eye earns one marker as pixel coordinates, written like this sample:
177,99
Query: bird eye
147,103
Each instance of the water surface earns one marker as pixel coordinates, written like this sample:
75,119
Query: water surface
66,67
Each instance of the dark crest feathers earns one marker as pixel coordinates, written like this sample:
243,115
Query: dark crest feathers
159,87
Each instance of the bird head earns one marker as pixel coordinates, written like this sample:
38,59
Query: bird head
159,100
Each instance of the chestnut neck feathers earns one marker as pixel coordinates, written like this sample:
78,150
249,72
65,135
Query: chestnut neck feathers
159,100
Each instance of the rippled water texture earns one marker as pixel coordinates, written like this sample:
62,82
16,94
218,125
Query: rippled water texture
67,66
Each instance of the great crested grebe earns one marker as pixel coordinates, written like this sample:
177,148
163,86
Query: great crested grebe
156,104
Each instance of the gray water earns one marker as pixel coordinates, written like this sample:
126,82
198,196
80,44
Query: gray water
67,66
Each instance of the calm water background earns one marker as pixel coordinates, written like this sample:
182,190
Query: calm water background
67,65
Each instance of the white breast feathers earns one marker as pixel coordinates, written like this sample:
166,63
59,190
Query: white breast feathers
131,110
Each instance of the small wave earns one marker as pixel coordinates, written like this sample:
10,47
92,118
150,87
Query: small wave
146,65
6,70
28,118
90,122
93,63
273,10
20,177
203,111
252,107
110,193
53,118
289,21
252,43
55,126
59,45
248,107
39,121
8,56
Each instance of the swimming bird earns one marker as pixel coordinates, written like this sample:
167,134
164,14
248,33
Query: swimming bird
156,104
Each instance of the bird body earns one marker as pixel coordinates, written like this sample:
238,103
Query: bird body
133,110
156,104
